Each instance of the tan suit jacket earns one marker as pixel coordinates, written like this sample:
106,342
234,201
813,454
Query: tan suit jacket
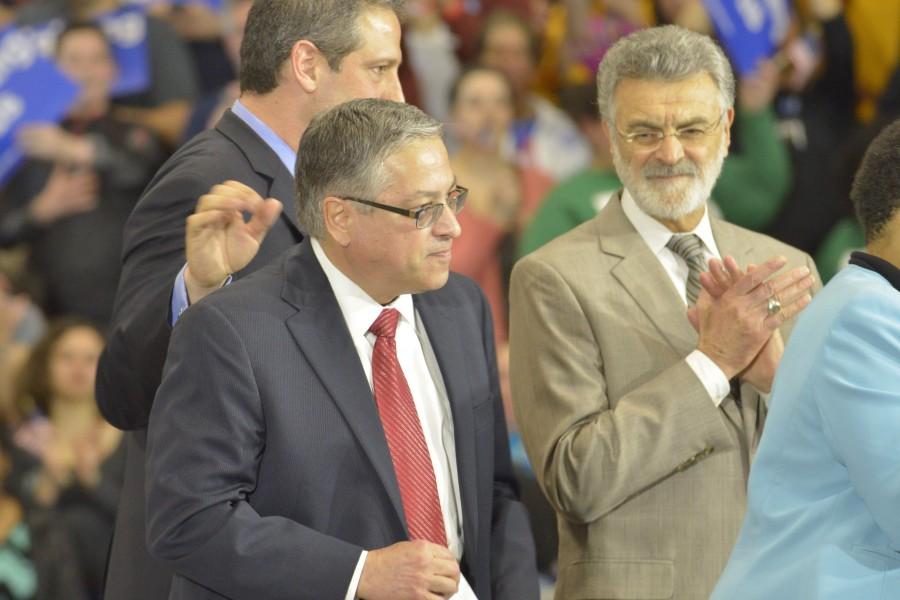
648,477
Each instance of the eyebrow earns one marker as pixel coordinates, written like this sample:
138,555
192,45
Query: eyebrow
435,195
686,123
390,61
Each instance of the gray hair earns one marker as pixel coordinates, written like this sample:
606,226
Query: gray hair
343,150
667,53
274,26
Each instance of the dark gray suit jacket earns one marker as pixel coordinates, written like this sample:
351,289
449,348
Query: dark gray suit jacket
267,466
131,365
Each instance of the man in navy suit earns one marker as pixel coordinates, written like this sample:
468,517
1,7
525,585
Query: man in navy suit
331,426
298,57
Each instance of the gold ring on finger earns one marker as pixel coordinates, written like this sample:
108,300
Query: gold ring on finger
773,306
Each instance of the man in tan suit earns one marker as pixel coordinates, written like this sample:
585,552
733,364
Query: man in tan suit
639,421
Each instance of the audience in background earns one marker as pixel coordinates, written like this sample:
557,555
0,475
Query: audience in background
543,141
212,104
203,29
79,466
482,112
165,106
70,200
37,558
816,107
580,197
21,325
431,54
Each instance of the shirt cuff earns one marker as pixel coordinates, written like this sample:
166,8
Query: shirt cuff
354,582
180,300
710,375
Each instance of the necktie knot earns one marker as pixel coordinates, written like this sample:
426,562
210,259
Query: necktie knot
688,246
386,323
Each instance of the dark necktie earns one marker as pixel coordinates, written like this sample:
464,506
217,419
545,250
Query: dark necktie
690,248
405,440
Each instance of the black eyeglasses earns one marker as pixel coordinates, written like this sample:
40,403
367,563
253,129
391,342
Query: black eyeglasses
426,215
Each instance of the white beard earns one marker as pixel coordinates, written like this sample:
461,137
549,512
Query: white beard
670,200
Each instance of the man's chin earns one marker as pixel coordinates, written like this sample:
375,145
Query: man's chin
668,207
434,281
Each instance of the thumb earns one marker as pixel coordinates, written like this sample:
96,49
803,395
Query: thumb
693,315
263,218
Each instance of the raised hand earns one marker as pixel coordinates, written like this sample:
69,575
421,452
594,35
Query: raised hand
218,242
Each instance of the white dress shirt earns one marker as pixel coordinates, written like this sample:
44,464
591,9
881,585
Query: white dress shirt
360,311
656,236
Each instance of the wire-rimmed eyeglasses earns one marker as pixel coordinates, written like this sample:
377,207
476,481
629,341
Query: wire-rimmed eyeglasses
690,136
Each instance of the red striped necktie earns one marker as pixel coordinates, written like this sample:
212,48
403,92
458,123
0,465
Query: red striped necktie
405,440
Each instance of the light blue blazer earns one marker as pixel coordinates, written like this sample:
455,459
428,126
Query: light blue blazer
823,514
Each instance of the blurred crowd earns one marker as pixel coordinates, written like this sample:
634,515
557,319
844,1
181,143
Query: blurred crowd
514,82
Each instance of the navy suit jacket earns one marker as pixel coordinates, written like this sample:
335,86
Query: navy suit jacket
267,467
131,365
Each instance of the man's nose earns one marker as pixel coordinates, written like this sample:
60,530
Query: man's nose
394,91
670,150
447,224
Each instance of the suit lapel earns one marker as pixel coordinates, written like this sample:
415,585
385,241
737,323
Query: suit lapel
644,278
320,331
264,161
731,244
450,350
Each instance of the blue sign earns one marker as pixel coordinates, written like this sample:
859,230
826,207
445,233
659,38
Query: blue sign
126,29
32,89
214,5
750,30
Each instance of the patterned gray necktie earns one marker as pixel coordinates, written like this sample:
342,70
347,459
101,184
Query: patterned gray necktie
689,247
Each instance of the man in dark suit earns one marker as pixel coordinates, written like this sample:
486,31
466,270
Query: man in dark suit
298,57
343,400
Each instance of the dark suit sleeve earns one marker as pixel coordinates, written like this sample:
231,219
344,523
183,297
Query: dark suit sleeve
513,559
130,367
206,438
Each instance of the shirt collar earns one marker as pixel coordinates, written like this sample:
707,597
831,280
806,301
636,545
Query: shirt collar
878,265
278,145
656,235
359,309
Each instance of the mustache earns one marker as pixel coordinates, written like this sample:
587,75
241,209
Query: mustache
657,169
